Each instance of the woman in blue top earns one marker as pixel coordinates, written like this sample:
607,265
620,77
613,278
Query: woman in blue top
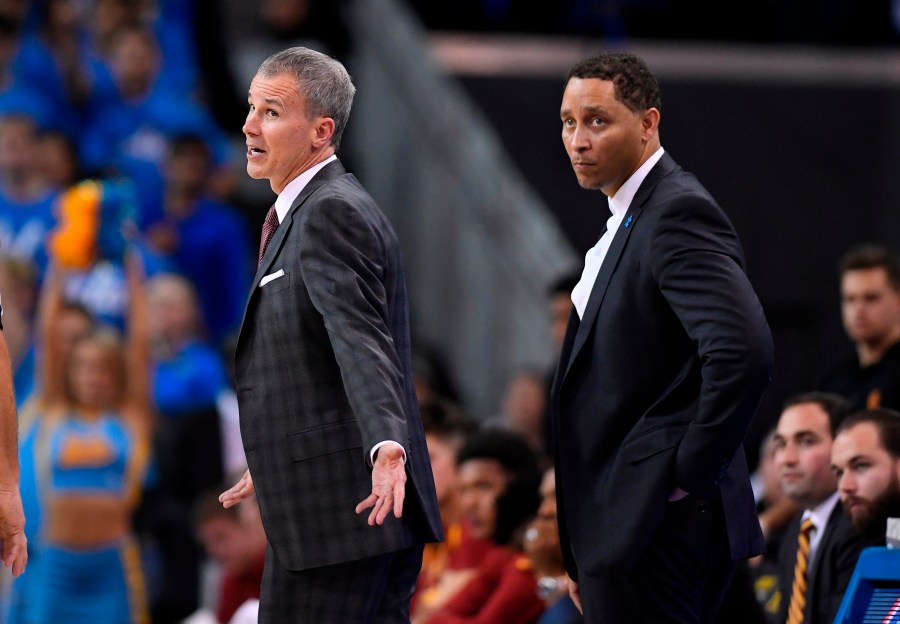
91,448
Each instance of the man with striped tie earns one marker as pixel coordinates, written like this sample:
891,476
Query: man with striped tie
820,547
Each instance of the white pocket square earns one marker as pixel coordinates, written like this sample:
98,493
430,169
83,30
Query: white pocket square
271,276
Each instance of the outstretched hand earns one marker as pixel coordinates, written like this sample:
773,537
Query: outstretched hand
388,485
239,491
14,552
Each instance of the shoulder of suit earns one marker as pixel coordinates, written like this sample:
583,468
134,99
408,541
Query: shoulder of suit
840,529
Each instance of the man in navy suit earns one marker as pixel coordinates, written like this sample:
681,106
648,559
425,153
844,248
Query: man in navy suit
328,413
666,356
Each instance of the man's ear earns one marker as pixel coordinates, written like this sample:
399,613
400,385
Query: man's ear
650,121
324,132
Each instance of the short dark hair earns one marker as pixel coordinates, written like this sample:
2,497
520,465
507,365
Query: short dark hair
886,421
444,419
507,447
872,256
634,83
517,505
836,406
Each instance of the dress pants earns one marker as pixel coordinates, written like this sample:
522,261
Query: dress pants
375,590
680,577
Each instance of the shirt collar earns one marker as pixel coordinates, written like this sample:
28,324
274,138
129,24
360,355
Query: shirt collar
290,192
821,512
620,202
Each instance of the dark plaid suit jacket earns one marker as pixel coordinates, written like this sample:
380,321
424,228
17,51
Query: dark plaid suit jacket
323,374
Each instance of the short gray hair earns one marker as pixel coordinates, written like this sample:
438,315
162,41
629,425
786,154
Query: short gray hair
323,80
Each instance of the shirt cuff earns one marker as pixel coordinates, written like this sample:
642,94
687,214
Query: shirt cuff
379,445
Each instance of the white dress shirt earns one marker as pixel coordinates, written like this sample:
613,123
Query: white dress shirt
593,260
618,205
290,192
819,515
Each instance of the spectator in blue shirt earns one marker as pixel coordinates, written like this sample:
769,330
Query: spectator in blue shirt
188,373
206,240
129,129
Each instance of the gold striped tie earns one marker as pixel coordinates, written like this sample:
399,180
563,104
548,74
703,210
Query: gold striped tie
798,591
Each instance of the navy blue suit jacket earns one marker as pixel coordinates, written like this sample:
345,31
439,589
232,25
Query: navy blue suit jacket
658,382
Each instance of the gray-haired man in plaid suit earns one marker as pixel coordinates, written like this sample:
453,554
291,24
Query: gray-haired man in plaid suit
328,412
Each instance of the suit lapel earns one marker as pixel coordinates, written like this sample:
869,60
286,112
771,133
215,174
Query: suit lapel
836,520
329,172
598,292
568,340
664,167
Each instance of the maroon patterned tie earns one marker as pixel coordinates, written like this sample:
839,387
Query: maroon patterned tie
268,229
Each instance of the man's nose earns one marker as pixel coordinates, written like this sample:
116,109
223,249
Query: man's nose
578,140
788,455
846,483
250,125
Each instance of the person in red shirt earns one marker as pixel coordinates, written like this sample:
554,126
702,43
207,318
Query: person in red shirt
447,565
498,481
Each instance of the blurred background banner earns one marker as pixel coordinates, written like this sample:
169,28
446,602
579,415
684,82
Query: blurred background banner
481,247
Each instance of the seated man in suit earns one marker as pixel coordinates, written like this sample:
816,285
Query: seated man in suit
820,547
865,458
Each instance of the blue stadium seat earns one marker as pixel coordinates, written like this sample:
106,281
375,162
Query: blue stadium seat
873,595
